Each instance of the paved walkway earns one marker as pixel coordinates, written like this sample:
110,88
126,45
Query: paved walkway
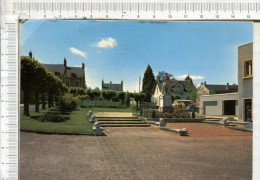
138,153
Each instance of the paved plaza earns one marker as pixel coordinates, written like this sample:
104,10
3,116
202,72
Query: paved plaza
210,152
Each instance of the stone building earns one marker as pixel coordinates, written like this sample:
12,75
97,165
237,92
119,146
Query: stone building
209,89
183,89
237,104
111,86
71,76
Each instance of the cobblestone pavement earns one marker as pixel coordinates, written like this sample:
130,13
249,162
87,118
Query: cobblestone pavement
138,153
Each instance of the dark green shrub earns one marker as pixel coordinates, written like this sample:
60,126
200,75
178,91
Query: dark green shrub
52,117
81,91
69,103
73,91
153,114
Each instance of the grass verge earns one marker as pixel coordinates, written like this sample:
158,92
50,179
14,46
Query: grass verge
76,123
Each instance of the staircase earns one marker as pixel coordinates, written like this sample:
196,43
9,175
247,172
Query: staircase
122,122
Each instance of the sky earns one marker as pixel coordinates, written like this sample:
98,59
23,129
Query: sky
121,50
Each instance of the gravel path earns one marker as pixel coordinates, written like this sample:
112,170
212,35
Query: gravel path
136,153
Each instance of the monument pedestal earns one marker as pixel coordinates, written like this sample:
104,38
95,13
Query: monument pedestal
165,103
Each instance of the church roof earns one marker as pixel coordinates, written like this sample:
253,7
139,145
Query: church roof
78,71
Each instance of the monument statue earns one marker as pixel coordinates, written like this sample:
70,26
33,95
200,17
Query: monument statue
166,85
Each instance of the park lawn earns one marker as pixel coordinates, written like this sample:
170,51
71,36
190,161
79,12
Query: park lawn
76,123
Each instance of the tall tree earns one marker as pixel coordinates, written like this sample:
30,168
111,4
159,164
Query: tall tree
28,73
161,74
148,83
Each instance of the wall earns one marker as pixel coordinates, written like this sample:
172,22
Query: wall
216,103
245,86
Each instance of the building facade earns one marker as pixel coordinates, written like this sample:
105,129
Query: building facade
245,81
70,76
237,104
183,89
209,89
111,86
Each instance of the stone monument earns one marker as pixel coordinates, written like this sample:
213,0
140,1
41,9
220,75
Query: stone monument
165,99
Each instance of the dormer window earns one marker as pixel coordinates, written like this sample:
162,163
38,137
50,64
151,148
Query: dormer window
73,75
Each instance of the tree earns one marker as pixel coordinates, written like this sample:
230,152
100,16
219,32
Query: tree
121,96
148,83
73,91
27,80
81,91
127,99
139,98
108,94
193,95
96,92
90,94
161,74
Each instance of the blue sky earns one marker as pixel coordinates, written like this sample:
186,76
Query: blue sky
121,50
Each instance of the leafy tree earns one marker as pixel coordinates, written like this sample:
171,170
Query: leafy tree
161,74
148,83
127,101
121,96
139,98
90,93
108,94
80,91
96,92
73,91
193,95
27,80
40,83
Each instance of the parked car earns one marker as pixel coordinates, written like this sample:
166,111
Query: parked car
192,107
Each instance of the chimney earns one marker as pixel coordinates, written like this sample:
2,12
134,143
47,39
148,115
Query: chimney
30,54
65,62
227,86
83,66
205,83
122,84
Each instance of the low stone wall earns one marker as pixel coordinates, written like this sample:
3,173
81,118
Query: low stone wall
172,120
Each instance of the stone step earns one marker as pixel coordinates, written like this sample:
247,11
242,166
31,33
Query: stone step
116,117
134,120
121,122
125,125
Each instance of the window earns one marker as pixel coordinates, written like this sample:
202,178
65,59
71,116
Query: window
248,69
77,83
178,89
68,82
57,73
73,75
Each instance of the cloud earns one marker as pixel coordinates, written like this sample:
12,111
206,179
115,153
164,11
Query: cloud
78,52
106,43
192,77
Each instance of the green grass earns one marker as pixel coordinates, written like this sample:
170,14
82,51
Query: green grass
76,123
